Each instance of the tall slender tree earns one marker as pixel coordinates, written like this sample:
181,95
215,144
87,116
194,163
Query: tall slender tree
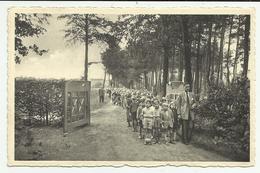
86,29
166,48
210,25
246,45
187,49
221,48
228,55
198,59
237,47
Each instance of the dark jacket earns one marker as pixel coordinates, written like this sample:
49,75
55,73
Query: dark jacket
133,107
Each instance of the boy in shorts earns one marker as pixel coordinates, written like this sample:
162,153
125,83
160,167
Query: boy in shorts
156,121
148,114
173,107
167,122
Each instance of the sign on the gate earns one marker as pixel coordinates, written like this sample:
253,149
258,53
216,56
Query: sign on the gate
77,104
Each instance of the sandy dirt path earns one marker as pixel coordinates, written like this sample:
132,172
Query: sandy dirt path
109,139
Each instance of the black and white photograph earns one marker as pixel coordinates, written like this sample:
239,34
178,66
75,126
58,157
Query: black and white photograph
131,86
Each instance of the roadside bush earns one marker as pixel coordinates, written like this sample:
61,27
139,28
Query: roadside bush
225,115
39,101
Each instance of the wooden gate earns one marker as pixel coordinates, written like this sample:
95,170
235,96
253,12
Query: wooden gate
77,104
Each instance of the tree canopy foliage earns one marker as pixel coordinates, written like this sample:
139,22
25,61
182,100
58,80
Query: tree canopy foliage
76,27
201,50
28,25
86,29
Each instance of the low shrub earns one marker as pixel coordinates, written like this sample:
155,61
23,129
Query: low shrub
225,115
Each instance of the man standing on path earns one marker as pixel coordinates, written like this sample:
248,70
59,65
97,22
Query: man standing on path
140,118
186,102
133,111
128,115
101,93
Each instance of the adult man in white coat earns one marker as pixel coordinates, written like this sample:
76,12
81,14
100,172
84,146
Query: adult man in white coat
186,103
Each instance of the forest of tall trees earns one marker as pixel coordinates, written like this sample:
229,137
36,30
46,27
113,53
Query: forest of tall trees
197,49
148,51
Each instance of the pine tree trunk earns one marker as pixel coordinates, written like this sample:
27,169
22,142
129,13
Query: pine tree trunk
198,60
180,74
109,79
237,49
160,79
165,69
172,64
221,47
156,78
213,62
187,51
166,48
209,55
228,51
204,67
200,81
246,45
86,48
145,80
152,79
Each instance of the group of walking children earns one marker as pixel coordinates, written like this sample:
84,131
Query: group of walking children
154,119
157,120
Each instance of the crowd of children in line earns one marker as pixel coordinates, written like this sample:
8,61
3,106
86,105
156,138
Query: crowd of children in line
156,120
